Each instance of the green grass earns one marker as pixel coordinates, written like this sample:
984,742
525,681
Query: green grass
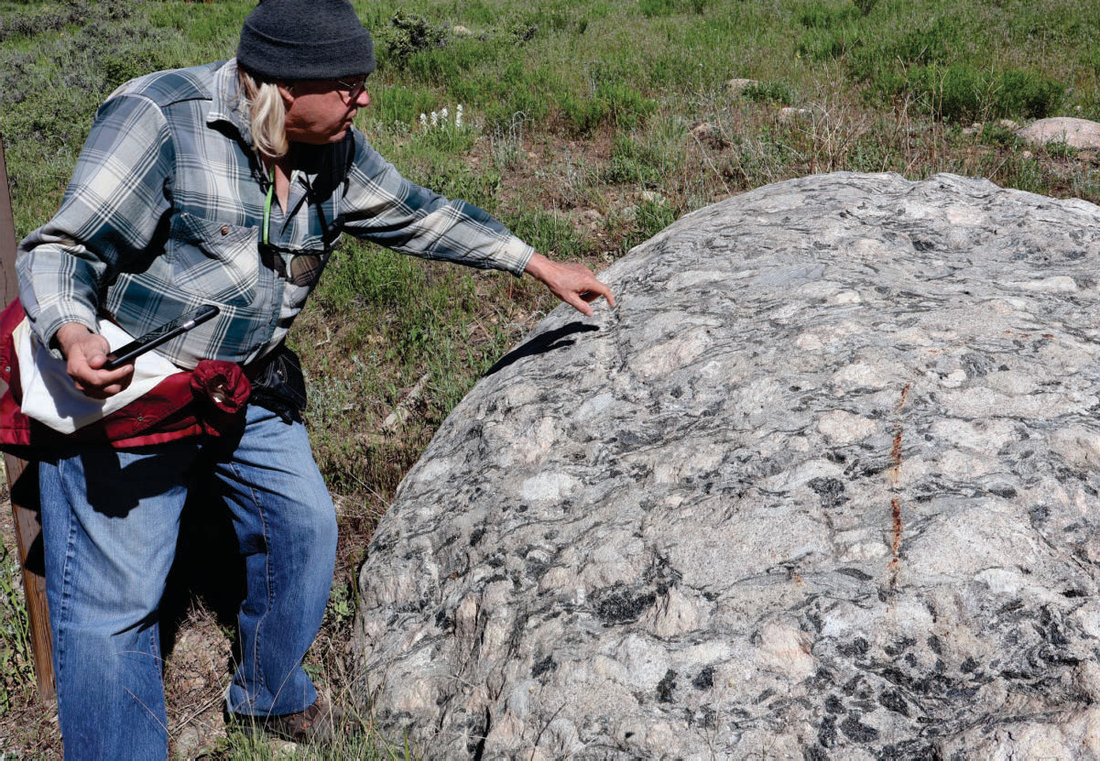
358,740
16,659
588,127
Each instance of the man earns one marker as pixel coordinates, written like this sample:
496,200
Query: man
225,184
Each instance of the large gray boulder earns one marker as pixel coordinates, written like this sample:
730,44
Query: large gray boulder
824,485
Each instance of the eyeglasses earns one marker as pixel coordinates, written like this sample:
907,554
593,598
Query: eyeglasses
351,87
304,266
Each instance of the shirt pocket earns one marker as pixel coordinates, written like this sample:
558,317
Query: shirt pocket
214,260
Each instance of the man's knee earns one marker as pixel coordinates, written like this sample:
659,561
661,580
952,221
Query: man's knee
107,611
315,526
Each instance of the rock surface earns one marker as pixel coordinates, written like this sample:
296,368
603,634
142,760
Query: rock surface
823,486
739,85
787,113
1076,133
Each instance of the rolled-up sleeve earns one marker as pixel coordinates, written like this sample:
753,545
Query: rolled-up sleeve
109,218
382,206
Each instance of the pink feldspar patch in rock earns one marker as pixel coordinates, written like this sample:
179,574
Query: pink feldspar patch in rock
1076,133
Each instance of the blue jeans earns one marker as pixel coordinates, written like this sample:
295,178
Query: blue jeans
110,519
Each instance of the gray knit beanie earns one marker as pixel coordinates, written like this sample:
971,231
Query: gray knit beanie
305,39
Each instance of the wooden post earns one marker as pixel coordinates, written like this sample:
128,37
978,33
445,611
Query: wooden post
23,478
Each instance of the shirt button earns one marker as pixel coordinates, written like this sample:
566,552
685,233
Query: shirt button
225,229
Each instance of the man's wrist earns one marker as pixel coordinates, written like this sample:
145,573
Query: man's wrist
536,266
68,334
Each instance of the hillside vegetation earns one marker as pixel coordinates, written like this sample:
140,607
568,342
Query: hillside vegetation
586,126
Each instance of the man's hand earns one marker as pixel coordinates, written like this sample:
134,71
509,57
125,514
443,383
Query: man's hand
572,283
85,353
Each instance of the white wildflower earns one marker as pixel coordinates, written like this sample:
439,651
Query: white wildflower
424,121
443,115
435,119
458,116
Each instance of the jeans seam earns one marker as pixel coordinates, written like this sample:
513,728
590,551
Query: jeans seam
66,578
260,677
158,673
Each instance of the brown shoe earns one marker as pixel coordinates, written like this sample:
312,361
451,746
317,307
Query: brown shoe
318,723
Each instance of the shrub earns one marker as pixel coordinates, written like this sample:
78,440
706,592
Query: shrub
582,115
1061,150
938,43
818,15
961,92
832,31
1091,59
865,7
627,107
479,12
129,62
409,34
827,44
612,103
958,92
657,8
1026,94
878,54
768,92
517,90
632,164
652,8
870,153
31,21
529,105
998,135
525,31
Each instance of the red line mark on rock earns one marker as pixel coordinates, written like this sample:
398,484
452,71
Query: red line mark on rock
904,396
895,458
895,502
895,545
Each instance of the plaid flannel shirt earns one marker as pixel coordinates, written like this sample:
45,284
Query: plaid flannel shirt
164,210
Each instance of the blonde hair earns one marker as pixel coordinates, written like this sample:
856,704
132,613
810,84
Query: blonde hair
266,115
